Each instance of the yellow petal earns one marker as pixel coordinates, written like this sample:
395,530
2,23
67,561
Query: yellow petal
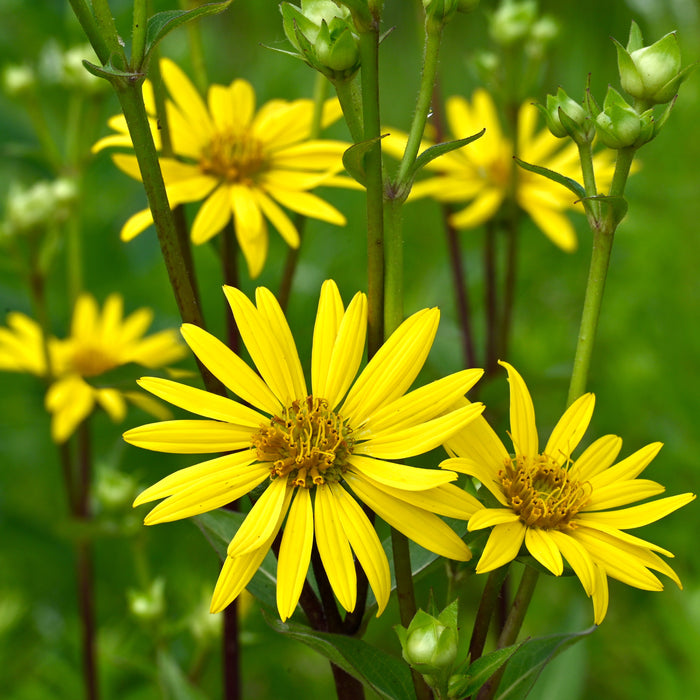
328,319
597,457
277,218
306,204
393,368
502,546
522,415
543,548
187,98
334,548
190,436
480,210
622,493
201,402
578,558
251,230
488,517
212,216
268,347
601,594
399,444
422,527
365,543
640,515
136,224
400,476
295,553
480,471
226,366
628,468
554,225
424,403
570,428
113,403
261,519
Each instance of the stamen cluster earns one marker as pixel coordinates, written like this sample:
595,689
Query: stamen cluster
542,492
309,444
234,157
92,360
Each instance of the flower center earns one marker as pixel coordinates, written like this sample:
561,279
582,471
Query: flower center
92,360
543,493
308,444
234,157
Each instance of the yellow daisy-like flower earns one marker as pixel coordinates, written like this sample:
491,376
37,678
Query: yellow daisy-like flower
561,507
98,343
318,452
482,173
241,163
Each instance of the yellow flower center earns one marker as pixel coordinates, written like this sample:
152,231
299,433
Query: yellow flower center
309,444
234,157
92,360
543,493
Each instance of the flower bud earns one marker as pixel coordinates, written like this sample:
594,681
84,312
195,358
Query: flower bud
618,125
653,73
566,117
513,21
18,80
149,605
428,645
322,33
115,491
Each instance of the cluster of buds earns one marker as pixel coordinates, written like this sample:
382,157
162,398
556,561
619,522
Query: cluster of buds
324,35
442,11
650,75
517,22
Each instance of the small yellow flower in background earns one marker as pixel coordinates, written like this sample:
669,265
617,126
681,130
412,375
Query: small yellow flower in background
240,163
482,173
98,342
316,451
560,506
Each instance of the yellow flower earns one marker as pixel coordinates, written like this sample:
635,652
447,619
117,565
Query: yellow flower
240,163
482,172
560,506
316,451
97,344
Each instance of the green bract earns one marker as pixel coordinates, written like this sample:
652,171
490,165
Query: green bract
566,117
618,125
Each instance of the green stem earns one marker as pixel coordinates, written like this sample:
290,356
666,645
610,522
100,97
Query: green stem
199,66
592,208
369,51
603,236
138,33
108,31
491,301
487,605
512,627
87,22
393,266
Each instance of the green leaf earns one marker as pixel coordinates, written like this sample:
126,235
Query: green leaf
386,675
554,176
480,671
219,527
616,206
527,663
162,23
354,159
109,72
439,149
173,681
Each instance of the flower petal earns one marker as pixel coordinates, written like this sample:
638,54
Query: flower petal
422,527
328,319
400,476
622,493
295,553
640,515
365,543
233,372
334,548
212,216
597,457
190,436
522,415
204,403
261,519
502,546
628,468
393,368
488,517
578,558
570,428
543,548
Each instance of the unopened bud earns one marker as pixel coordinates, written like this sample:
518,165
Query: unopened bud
618,125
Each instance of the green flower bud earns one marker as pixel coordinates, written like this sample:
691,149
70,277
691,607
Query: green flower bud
115,491
513,21
18,80
566,117
322,33
149,605
653,73
428,645
618,125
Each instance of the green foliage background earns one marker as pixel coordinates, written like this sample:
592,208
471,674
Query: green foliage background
644,371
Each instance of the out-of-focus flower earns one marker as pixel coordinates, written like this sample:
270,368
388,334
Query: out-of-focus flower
317,451
562,507
240,163
99,342
484,174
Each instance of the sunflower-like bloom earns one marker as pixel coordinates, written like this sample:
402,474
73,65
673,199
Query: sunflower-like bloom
483,173
316,452
240,163
98,343
561,507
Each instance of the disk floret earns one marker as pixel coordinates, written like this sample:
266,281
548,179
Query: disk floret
542,492
233,157
309,444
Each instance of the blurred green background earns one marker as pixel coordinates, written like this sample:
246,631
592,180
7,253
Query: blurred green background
644,370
